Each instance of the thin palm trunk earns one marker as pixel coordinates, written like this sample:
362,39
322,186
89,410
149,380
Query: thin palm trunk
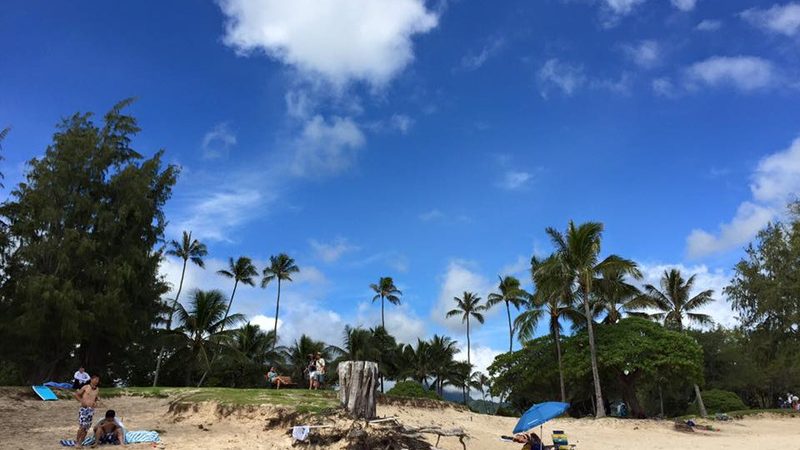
383,322
221,328
469,363
169,324
510,329
560,368
661,399
277,310
700,405
601,410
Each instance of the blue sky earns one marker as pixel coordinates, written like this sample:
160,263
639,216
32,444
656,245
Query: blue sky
429,141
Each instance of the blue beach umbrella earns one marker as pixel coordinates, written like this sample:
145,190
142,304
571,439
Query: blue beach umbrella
539,414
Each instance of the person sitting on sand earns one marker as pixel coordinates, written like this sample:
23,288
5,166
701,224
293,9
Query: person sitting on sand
531,441
108,431
276,380
87,396
80,379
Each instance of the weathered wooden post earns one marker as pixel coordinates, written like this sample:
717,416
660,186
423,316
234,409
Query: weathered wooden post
358,388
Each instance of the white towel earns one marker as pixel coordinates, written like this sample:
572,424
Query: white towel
300,433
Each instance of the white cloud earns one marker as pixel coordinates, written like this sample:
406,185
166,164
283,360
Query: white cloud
338,40
401,123
480,356
557,75
520,268
326,148
474,61
709,25
514,180
720,310
218,141
664,87
211,215
458,278
622,7
266,323
299,104
331,252
780,19
645,54
401,321
684,5
746,73
432,215
775,181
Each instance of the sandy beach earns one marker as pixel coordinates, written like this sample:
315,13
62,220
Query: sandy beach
26,423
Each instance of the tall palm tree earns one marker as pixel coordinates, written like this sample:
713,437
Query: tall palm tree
675,304
439,353
385,290
512,295
3,134
281,267
615,297
203,326
242,271
187,249
468,306
553,300
577,257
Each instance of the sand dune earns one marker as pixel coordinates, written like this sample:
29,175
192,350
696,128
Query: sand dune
26,423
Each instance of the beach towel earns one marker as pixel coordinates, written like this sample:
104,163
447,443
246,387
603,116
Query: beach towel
300,433
131,437
44,393
56,385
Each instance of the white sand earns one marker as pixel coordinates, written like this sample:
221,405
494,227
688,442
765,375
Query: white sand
31,424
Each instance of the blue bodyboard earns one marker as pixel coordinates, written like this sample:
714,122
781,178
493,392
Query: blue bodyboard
44,393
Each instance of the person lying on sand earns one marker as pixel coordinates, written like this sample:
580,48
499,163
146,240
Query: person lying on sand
108,431
87,396
531,441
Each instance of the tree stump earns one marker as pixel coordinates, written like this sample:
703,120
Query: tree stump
358,388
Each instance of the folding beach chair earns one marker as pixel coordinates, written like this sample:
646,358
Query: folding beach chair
560,441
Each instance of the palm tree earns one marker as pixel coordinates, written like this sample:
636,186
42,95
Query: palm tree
511,294
188,250
280,268
203,325
439,352
481,382
3,134
553,299
615,297
386,290
242,271
296,355
252,347
577,257
675,305
469,305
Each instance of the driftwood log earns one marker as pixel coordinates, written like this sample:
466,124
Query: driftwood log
358,393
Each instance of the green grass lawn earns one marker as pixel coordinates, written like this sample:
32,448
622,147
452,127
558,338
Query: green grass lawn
302,400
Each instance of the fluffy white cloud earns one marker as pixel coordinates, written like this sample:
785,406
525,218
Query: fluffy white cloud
326,147
561,76
622,7
780,19
709,25
705,278
331,252
746,73
211,215
459,277
514,180
480,356
474,61
338,40
401,321
684,5
774,182
218,141
645,54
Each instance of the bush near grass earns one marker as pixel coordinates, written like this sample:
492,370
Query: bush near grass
412,389
719,401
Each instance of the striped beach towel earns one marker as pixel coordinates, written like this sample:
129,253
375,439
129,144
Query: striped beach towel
131,437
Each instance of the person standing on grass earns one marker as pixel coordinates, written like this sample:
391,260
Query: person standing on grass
312,372
320,365
80,379
87,396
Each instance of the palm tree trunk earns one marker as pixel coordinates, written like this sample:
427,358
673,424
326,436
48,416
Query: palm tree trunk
560,368
510,330
169,324
383,322
598,393
469,363
700,405
661,400
221,328
277,310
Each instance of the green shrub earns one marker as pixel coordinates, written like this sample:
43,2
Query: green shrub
506,411
412,389
719,401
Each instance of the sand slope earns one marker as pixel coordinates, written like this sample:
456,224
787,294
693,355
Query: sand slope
26,423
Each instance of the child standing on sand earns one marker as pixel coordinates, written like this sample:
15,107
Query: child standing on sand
87,396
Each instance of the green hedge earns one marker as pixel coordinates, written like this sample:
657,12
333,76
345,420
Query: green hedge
719,401
412,389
